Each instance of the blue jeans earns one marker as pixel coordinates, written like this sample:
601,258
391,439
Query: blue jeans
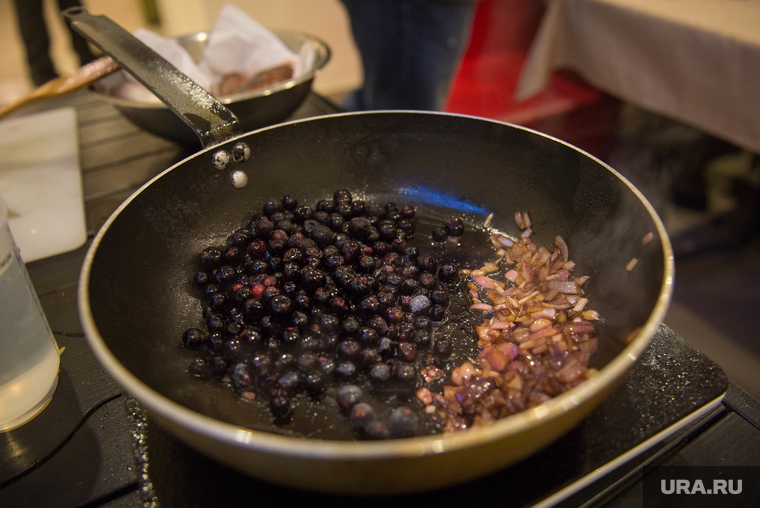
410,50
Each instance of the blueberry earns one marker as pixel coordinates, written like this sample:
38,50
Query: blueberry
323,235
346,370
409,286
448,273
199,367
284,361
307,362
311,343
443,347
405,373
289,203
215,323
251,337
407,212
302,213
393,315
325,206
242,294
327,365
281,305
376,430
211,258
440,234
428,280
214,342
329,323
232,330
233,351
359,228
405,332
348,396
421,338
293,255
224,274
314,383
419,303
380,249
240,377
386,347
289,382
361,414
455,227
439,296
387,231
350,326
257,266
280,407
323,295
302,302
193,338
407,352
218,366
358,207
403,422
342,196
437,313
322,217
336,222
340,239
379,374
263,228
370,305
386,299
426,261
271,207
201,279
422,323
253,309
368,336
339,306
240,238
349,350
370,356
378,324
312,278
291,336
406,226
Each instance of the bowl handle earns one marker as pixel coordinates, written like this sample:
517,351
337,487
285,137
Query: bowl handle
212,122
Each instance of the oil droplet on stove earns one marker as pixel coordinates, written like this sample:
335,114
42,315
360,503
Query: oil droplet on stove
241,152
239,179
221,159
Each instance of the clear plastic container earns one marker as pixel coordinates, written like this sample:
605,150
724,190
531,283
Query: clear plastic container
29,358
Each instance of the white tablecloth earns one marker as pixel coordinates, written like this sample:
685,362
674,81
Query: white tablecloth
697,61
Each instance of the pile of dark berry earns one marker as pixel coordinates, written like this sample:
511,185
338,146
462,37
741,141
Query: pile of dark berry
305,299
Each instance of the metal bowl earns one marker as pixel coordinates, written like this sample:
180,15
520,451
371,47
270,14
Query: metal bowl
255,109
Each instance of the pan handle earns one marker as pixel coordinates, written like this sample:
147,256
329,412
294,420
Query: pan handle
212,122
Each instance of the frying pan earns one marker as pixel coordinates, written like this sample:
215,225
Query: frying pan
136,299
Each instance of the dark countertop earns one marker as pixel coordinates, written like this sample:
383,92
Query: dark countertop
93,446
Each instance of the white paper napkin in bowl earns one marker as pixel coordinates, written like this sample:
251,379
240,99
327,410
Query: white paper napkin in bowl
237,44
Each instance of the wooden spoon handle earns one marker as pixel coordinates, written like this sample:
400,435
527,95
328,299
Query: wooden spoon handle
80,78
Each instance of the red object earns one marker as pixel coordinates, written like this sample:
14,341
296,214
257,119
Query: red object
568,108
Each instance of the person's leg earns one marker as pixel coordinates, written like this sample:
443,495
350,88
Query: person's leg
77,41
376,27
436,37
410,51
31,23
